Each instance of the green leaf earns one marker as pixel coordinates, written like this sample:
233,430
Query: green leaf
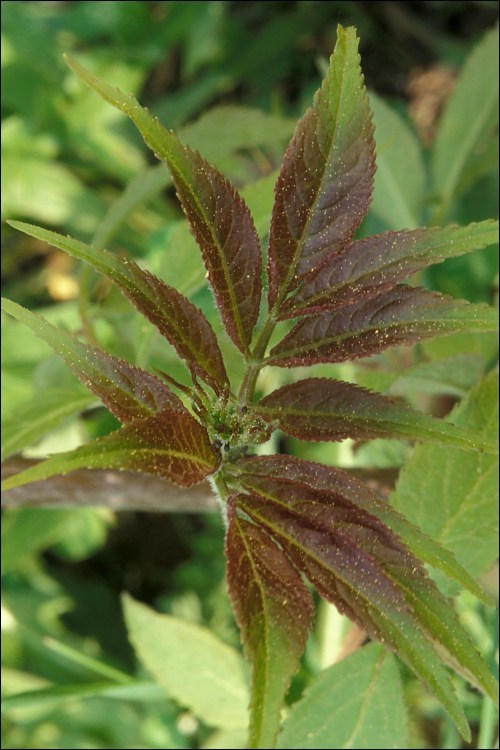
326,180
41,414
469,120
316,476
48,192
403,315
453,376
220,219
168,444
127,391
453,496
226,129
191,664
359,565
274,610
356,703
54,695
176,318
28,530
400,177
368,267
324,409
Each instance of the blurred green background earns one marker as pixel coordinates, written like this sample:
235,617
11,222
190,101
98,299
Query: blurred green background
233,77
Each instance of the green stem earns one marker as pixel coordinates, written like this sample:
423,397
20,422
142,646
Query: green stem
258,362
221,492
487,724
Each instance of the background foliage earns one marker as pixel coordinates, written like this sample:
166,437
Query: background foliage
70,162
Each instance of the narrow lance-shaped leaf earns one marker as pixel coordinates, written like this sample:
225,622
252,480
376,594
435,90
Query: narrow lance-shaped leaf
324,188
348,513
127,391
182,324
274,610
251,472
168,444
403,315
358,564
368,267
469,122
324,409
219,217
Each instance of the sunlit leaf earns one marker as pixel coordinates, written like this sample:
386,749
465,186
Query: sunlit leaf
168,444
453,496
41,414
192,665
274,610
403,315
219,217
325,409
325,184
356,703
127,391
185,327
368,267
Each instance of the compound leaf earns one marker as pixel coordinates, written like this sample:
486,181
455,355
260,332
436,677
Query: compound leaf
325,184
274,610
127,391
168,444
324,409
182,324
357,563
219,217
368,267
403,315
252,471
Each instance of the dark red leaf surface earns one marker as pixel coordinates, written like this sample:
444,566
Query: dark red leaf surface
253,470
326,409
274,611
325,184
168,444
368,267
358,564
403,315
219,217
182,324
226,234
127,391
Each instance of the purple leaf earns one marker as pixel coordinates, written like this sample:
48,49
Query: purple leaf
252,471
168,444
274,610
226,234
368,267
324,409
127,391
219,217
403,315
325,185
182,324
360,565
